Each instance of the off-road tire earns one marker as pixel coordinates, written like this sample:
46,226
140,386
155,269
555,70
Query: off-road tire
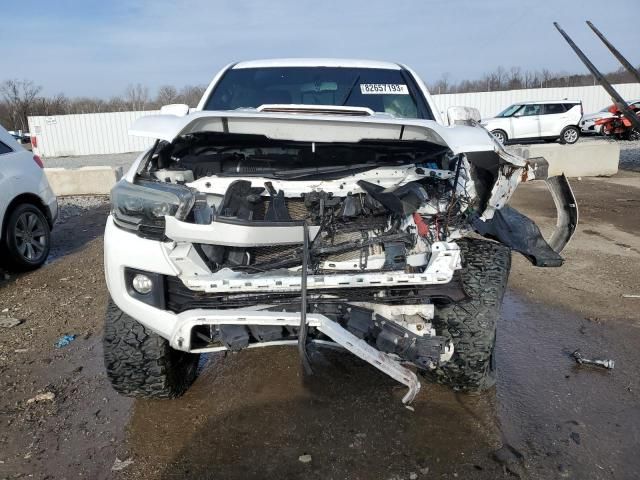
471,323
141,363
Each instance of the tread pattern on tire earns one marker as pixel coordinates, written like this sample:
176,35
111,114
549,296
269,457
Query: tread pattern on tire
140,363
471,323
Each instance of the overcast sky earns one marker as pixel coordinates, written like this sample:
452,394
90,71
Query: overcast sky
98,47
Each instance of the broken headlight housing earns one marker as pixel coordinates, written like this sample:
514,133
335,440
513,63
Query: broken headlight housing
142,206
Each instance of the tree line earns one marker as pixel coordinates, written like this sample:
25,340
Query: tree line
22,98
516,79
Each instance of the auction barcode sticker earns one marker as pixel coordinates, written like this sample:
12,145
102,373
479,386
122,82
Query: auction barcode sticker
383,89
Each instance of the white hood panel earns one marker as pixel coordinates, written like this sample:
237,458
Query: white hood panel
315,128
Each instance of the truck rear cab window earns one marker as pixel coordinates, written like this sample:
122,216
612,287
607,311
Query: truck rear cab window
381,90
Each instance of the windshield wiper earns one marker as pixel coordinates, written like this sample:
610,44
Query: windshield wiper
353,85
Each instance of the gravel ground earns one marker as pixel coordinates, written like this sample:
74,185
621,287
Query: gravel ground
252,416
630,156
74,206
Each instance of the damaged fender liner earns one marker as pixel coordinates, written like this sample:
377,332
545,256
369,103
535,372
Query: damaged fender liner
519,233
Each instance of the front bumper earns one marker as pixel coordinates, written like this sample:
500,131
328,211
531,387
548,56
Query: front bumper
124,250
589,126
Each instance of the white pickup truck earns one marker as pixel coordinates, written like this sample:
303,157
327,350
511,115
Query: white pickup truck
317,202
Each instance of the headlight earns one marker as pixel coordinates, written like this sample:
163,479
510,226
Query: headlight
142,206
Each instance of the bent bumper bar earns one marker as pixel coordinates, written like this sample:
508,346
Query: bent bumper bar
180,339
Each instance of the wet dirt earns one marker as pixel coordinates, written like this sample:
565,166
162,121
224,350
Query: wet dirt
253,414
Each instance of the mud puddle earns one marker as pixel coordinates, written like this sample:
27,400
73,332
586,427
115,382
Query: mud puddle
252,415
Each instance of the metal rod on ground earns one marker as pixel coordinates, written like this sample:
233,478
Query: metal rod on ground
615,96
625,63
598,362
302,333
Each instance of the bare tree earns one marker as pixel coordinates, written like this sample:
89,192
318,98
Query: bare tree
137,96
191,94
514,79
55,105
19,96
88,105
167,94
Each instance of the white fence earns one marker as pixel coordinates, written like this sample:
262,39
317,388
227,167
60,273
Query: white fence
87,134
101,133
490,103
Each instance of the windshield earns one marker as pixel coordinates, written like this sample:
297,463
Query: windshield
507,112
388,91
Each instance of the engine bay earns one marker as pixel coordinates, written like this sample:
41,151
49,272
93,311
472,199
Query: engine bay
377,206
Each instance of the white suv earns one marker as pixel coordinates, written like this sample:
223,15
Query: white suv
28,207
549,120
316,202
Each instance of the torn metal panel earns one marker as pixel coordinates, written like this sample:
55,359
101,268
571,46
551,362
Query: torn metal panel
508,179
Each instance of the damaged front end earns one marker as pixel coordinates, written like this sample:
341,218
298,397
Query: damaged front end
292,237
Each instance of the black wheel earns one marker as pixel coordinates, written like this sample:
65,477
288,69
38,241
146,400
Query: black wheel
27,238
633,135
570,135
471,323
140,363
500,135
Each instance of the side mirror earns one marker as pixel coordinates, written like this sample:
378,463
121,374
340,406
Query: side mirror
463,115
177,109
